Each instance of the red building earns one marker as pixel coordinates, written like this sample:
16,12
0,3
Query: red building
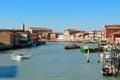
34,36
111,32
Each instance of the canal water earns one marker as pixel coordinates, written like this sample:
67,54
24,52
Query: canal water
51,62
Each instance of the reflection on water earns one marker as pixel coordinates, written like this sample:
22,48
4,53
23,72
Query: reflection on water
8,71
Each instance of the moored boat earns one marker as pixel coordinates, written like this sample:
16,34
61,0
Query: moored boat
85,49
96,49
71,46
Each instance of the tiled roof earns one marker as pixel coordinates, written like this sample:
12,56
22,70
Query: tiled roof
72,29
112,26
35,28
56,33
15,30
9,32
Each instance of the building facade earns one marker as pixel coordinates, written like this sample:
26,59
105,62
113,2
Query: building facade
79,37
9,38
69,34
54,36
97,35
111,32
24,37
44,33
14,36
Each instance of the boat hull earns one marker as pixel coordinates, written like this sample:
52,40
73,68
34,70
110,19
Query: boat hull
67,47
91,50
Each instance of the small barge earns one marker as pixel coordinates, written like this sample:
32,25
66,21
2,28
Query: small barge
71,46
85,49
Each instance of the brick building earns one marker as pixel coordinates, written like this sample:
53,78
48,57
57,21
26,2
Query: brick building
111,32
14,36
9,38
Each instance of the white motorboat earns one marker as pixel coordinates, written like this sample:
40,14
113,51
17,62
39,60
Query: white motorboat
20,56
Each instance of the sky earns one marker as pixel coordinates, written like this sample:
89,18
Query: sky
59,15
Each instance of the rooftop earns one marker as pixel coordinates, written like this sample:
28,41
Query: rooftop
36,28
115,26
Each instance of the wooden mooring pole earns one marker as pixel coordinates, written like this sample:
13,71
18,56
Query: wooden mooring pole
98,57
88,56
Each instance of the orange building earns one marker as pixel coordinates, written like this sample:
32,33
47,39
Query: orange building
111,32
